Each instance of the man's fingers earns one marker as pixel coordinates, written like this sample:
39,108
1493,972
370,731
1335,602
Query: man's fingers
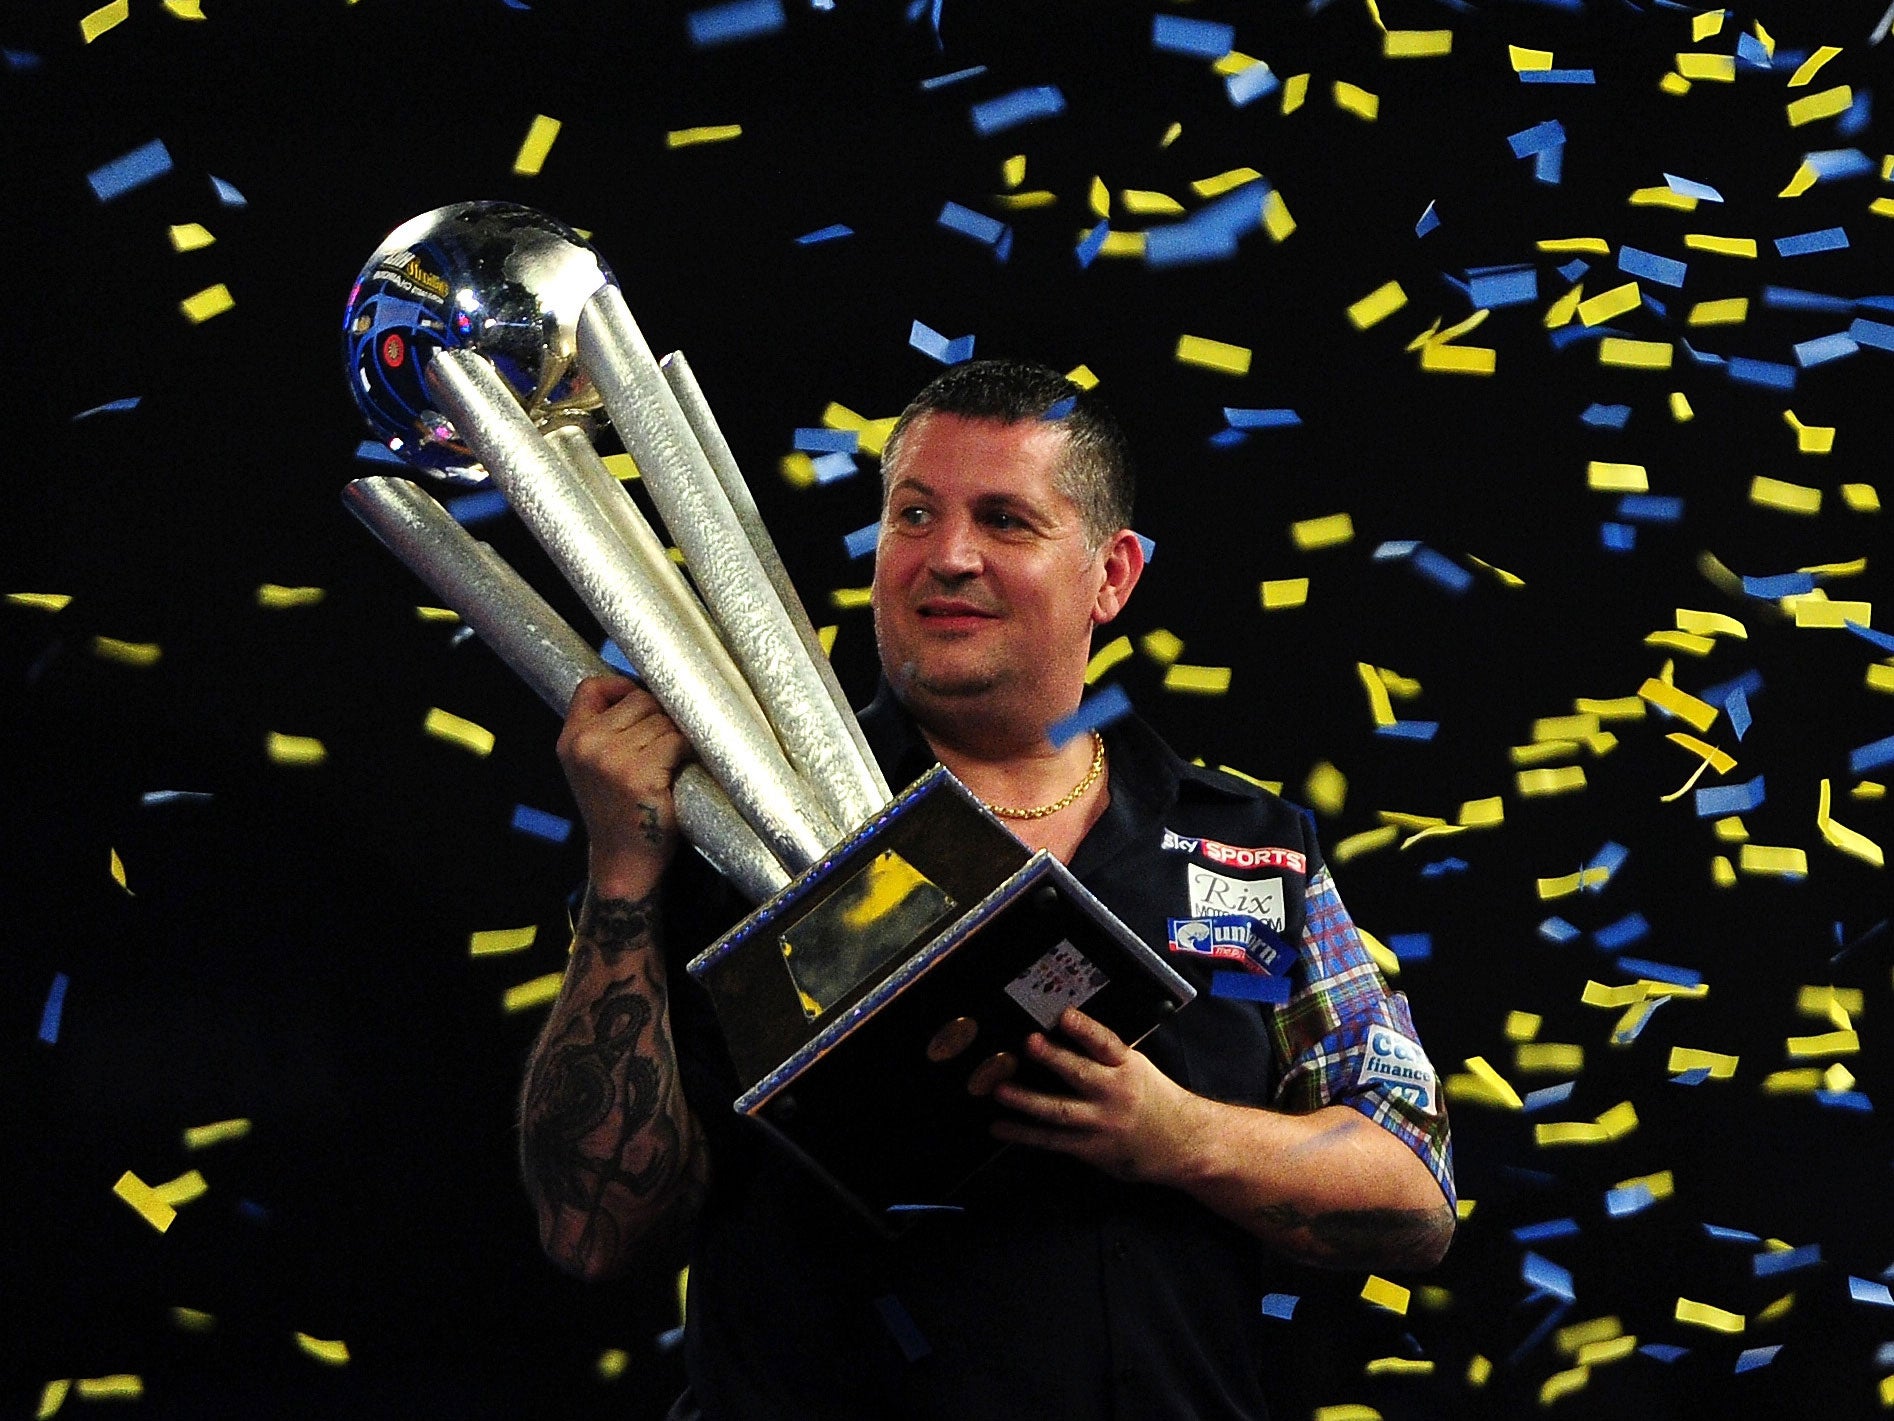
1060,1110
1096,1039
595,693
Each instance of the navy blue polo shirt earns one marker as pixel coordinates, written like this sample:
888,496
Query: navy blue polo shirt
1059,1291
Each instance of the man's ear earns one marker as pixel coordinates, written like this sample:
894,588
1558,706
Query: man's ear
1124,564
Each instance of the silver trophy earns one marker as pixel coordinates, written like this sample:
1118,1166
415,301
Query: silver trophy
487,342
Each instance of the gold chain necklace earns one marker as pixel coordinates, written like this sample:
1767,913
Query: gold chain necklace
1046,811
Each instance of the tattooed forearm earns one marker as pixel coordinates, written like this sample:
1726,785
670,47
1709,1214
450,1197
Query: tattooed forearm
1360,1238
614,926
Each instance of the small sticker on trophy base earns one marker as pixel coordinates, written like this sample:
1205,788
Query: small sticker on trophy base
1063,978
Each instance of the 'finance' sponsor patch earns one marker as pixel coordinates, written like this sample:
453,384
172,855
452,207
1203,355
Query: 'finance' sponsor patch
1399,1066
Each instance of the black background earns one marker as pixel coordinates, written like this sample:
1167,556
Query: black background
294,948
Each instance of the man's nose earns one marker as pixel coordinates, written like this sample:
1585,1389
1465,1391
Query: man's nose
955,550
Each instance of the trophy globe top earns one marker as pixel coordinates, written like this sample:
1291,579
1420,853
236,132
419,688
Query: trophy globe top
494,277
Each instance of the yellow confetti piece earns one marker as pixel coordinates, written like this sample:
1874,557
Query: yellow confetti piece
1027,201
1821,612
294,749
1398,1367
1783,496
1496,1085
1384,1294
1224,182
1276,219
1861,498
189,236
1106,657
1781,1307
181,1190
1329,532
1615,1349
1235,62
1853,568
193,1320
1561,311
1569,1340
1543,753
611,1364
1561,1384
825,637
1674,84
1198,680
1882,207
1706,25
1568,1132
1811,66
1355,845
1140,202
1326,788
1826,104
1171,135
457,730
1597,994
126,653
1534,784
59,601
1732,311
708,133
1479,1369
1699,715
1801,1081
1821,1001
1522,1025
1565,727
1662,196
1722,872
1548,1056
529,994
1483,813
1161,646
1346,1411
1731,829
1013,170
1773,861
1378,705
1459,359
1273,786
1680,407
1619,1121
1596,246
1377,305
186,9
849,599
211,301
1710,624
1526,61
1284,592
1416,44
1213,355
1827,1043
269,594
1714,68
1704,1315
1662,1184
1838,1077
437,614
104,18
1804,179
200,1137
494,941
140,1195
121,1386
1719,760
1635,354
1687,642
1607,304
1565,885
1615,708
117,867
1722,246
52,1396
1099,198
335,1353
1356,100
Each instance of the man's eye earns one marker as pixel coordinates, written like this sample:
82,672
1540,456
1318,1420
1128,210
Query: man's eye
912,516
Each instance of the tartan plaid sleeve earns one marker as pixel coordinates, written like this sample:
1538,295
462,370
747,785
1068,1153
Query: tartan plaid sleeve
1321,1035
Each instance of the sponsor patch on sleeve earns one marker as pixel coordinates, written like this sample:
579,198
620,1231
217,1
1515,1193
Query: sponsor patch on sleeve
1397,1065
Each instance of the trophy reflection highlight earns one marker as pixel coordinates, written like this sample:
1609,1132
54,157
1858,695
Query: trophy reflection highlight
486,342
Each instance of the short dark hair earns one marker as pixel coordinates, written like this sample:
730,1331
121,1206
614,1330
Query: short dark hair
1095,472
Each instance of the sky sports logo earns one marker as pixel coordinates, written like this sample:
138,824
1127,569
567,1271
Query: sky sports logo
1234,855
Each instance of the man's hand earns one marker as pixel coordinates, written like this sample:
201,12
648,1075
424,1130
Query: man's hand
620,752
1123,1114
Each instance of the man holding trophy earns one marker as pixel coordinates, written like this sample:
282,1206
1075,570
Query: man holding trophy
1110,1260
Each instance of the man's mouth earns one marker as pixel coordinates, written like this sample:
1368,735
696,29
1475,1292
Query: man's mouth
947,613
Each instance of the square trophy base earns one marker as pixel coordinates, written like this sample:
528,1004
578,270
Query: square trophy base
872,1006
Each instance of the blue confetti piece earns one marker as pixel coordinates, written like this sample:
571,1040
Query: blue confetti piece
1280,1305
1395,549
1249,987
1665,1351
1557,76
1871,756
1823,349
472,508
823,441
1782,584
1684,187
1736,706
1866,1290
1441,570
1409,730
1202,39
1605,416
738,20
1852,1100
931,342
1020,106
1610,857
1505,288
861,542
1790,298
941,81
836,465
130,402
977,225
1857,116
1149,546
1547,1096
1059,409
1666,271
132,170
1556,929
1870,635
1548,165
1696,1075
371,452
541,824
1411,947
1088,250
1574,269
55,1006
1788,1260
157,798
1768,374
1660,972
1545,1276
1618,537
1751,51
1653,305
614,656
1836,164
20,60
1550,1229
1751,1358
1702,357
1227,439
1573,334
833,232
1828,239
1440,868
1429,220
915,1210
1615,937
252,1212
1248,85
1186,243
902,1327
1723,1235
1629,1199
1716,801
1749,683
1538,1334
1260,419
1529,142
1650,508
227,193
1095,712
1878,334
